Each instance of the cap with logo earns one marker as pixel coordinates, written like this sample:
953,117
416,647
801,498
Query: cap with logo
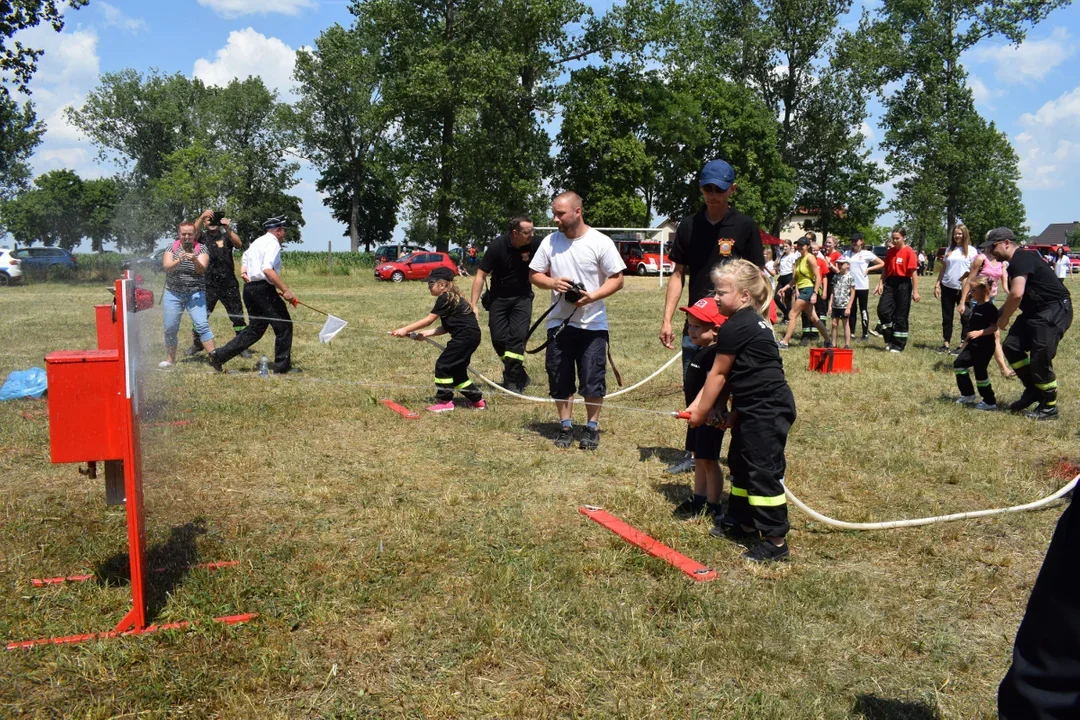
705,310
718,173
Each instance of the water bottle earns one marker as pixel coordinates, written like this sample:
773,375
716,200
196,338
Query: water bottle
264,367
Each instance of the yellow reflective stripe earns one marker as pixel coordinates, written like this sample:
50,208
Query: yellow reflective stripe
465,384
513,356
1052,385
900,334
1020,363
739,492
767,501
444,381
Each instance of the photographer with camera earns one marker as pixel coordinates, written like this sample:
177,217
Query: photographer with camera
580,267
509,301
185,264
265,295
219,238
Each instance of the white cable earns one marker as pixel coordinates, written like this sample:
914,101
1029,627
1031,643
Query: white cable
533,398
928,520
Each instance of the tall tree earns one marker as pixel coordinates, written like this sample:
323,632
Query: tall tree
100,198
343,125
50,213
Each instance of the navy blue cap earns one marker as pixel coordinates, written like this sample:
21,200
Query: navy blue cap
718,173
441,273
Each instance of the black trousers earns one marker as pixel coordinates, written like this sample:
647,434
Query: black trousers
862,306
452,368
949,300
757,464
893,311
1043,682
228,292
783,300
508,322
976,356
1032,344
263,301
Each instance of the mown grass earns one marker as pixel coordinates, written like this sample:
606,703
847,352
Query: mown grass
439,568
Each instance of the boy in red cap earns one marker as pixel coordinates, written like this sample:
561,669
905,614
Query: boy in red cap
703,320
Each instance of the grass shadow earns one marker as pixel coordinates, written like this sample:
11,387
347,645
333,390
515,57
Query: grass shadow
174,557
667,455
674,492
549,430
871,707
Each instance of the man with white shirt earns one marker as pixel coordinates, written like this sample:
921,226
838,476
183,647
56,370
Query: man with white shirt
862,262
261,271
577,332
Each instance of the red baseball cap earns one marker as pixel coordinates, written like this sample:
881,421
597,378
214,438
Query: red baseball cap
706,310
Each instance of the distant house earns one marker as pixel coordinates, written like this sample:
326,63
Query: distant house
1055,234
795,227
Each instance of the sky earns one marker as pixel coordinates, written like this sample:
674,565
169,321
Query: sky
1027,91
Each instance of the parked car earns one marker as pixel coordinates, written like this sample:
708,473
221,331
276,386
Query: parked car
40,258
880,251
152,263
1074,260
390,253
416,266
643,257
10,268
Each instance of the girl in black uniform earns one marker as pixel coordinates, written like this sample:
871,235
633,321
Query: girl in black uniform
749,370
458,319
978,349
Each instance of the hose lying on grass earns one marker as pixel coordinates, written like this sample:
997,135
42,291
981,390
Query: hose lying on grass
927,520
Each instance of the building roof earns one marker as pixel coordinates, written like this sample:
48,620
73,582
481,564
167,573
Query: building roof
1055,233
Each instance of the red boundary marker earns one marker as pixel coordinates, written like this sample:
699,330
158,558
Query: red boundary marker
402,411
42,582
71,639
692,568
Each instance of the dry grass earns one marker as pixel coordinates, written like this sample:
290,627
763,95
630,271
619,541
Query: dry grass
438,568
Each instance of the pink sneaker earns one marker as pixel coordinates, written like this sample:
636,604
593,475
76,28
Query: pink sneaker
442,407
478,405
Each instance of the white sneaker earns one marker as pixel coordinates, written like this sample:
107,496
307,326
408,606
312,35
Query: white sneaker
895,350
966,399
164,364
683,466
985,406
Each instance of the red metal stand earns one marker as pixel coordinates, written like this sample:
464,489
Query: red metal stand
93,417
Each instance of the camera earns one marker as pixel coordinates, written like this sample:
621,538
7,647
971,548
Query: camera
574,293
216,219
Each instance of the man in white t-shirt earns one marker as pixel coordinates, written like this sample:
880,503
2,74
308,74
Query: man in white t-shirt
577,332
862,262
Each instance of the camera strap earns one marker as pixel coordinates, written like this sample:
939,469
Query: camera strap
558,330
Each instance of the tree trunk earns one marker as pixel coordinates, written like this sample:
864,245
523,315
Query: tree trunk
354,221
446,184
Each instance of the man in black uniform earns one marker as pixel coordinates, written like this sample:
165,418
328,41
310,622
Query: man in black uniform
219,239
510,298
716,234
1046,313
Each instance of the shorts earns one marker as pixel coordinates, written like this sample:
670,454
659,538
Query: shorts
704,442
838,313
805,294
577,355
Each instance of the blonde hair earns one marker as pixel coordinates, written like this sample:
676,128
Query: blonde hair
746,276
983,282
455,294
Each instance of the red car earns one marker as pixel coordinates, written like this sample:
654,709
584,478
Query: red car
415,266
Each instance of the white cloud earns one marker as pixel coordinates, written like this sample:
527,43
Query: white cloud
248,53
236,8
983,95
1029,61
115,17
1047,145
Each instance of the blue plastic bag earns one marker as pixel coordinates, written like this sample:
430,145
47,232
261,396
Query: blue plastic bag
24,383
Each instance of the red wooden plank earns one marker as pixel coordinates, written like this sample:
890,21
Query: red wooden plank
692,568
402,411
70,639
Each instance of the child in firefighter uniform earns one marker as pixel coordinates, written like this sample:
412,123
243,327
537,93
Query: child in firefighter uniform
749,370
459,321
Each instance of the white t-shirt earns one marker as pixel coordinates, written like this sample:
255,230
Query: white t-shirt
860,261
1062,266
957,266
263,254
787,263
590,260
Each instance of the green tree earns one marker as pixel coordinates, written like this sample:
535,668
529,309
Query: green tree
99,204
50,213
343,125
20,134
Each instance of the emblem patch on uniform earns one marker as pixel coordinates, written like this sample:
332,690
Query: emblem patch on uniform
724,245
525,256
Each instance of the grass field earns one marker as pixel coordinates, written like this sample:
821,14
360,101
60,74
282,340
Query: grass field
439,568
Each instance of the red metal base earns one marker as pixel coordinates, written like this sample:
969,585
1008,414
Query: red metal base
42,582
70,639
692,568
402,411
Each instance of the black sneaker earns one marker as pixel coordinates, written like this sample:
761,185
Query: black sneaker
590,438
1043,412
735,534
565,439
943,350
214,362
765,552
689,509
1026,400
193,351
